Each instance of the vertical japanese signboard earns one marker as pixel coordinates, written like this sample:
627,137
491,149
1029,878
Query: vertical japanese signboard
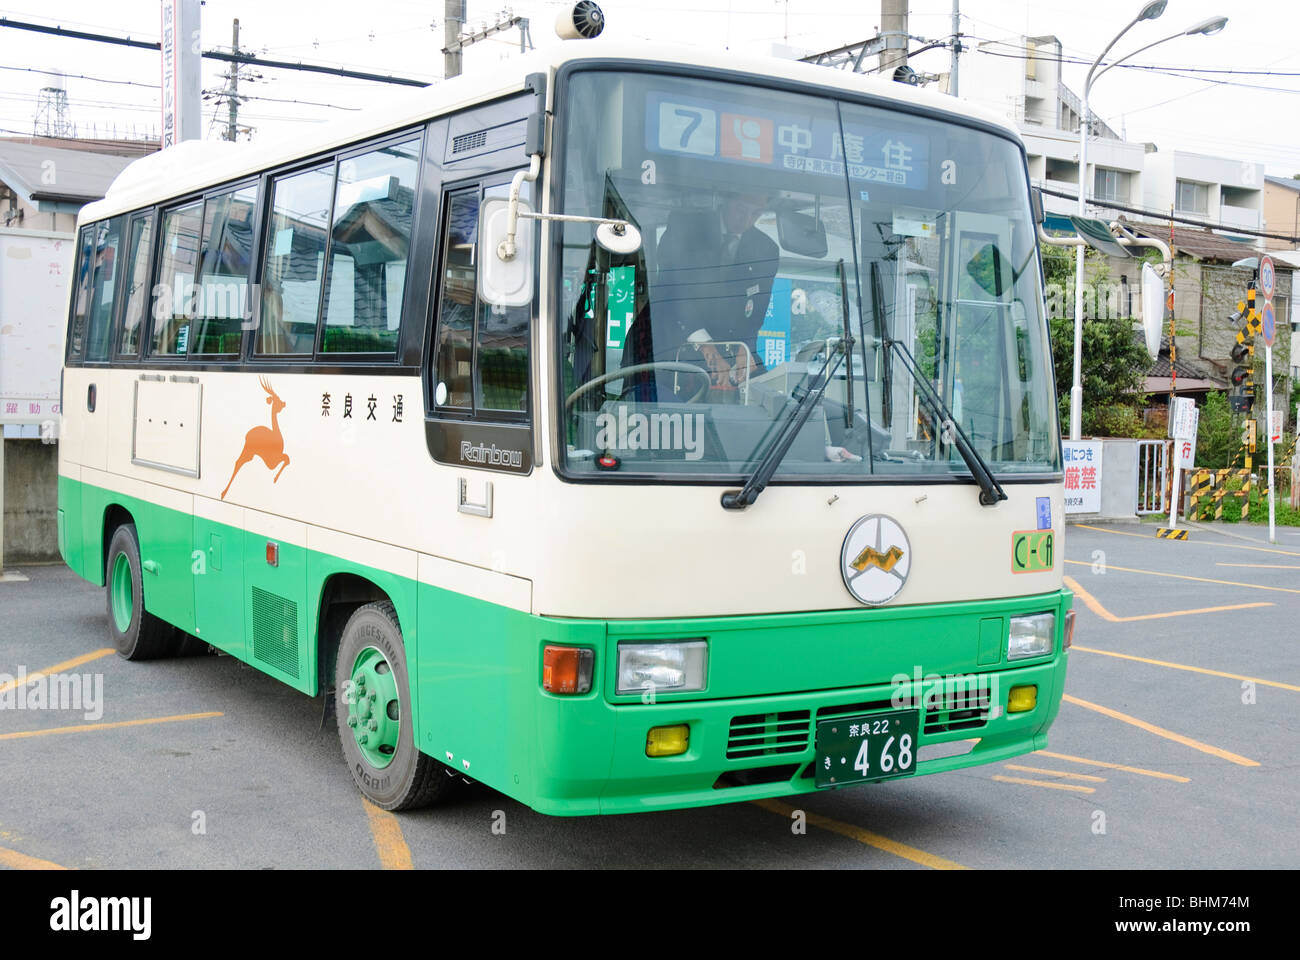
1082,475
181,79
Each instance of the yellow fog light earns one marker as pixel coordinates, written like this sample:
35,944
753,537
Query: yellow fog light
667,741
1022,699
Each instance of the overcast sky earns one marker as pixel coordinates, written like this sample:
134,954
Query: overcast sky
406,36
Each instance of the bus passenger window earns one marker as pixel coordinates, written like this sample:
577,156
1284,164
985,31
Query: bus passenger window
136,286
228,223
108,237
454,354
501,374
81,297
175,286
369,241
294,260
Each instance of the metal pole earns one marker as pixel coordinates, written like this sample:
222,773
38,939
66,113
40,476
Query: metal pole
232,102
2,500
893,28
1268,385
453,15
1076,390
956,46
1173,490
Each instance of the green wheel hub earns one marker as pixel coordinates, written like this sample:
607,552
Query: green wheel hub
374,712
121,593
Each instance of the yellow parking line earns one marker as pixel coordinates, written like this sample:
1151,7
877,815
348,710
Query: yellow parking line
864,836
1095,606
20,861
1114,766
1183,576
1055,773
88,727
1162,732
1043,783
1260,566
1203,543
1183,666
57,668
391,846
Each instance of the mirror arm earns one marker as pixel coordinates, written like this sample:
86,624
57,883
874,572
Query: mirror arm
506,249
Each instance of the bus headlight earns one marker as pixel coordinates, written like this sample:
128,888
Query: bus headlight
672,667
1031,636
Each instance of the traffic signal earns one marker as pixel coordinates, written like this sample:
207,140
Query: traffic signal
1242,353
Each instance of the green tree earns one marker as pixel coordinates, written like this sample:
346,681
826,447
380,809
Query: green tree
1218,435
1112,369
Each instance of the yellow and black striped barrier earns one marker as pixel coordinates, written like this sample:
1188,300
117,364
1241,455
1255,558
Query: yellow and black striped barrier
1171,533
1211,482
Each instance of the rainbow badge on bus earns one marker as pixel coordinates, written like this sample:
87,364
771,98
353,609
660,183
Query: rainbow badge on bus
875,559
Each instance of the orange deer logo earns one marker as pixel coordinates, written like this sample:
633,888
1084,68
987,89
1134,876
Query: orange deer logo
264,442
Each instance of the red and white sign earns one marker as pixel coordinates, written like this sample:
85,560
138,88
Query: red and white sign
1267,277
1185,454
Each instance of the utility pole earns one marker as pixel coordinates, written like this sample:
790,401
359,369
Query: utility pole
453,15
893,30
956,46
232,98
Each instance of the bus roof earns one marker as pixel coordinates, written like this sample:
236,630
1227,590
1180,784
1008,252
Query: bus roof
195,165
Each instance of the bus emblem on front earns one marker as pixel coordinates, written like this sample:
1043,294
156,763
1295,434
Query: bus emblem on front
875,559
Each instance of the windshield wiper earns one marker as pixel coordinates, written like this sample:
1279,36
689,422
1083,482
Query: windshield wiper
758,480
990,490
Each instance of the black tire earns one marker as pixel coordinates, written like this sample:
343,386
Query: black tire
144,636
410,778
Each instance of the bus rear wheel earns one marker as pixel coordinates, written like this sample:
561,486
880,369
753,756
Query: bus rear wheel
372,690
137,634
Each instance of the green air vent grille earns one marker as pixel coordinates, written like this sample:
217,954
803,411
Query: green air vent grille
275,631
763,734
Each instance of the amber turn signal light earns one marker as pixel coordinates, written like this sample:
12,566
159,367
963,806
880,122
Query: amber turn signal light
567,670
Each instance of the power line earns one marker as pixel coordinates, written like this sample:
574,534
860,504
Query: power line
241,58
81,76
1185,73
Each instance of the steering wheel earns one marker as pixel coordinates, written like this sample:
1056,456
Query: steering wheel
670,365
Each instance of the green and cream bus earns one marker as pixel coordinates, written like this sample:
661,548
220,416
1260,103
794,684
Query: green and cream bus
644,428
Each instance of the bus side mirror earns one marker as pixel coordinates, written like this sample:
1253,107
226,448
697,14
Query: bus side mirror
1036,195
504,282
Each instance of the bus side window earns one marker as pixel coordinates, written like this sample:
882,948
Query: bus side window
108,238
481,351
293,263
135,286
177,263
81,297
370,237
454,349
501,344
228,224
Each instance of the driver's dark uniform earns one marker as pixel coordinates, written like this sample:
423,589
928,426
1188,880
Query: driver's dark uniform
699,287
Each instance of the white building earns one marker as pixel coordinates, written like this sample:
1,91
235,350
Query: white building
1211,189
1021,77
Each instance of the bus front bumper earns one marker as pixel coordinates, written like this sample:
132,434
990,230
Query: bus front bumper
720,766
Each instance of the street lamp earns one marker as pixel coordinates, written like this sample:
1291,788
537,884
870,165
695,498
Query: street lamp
1149,11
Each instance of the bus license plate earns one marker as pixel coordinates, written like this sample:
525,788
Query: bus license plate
875,746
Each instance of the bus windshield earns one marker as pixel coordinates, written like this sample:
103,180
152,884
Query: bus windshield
775,227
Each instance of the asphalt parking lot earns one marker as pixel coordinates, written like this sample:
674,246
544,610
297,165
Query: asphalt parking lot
1174,749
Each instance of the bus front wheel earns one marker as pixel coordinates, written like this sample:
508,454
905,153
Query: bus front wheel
137,634
372,707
